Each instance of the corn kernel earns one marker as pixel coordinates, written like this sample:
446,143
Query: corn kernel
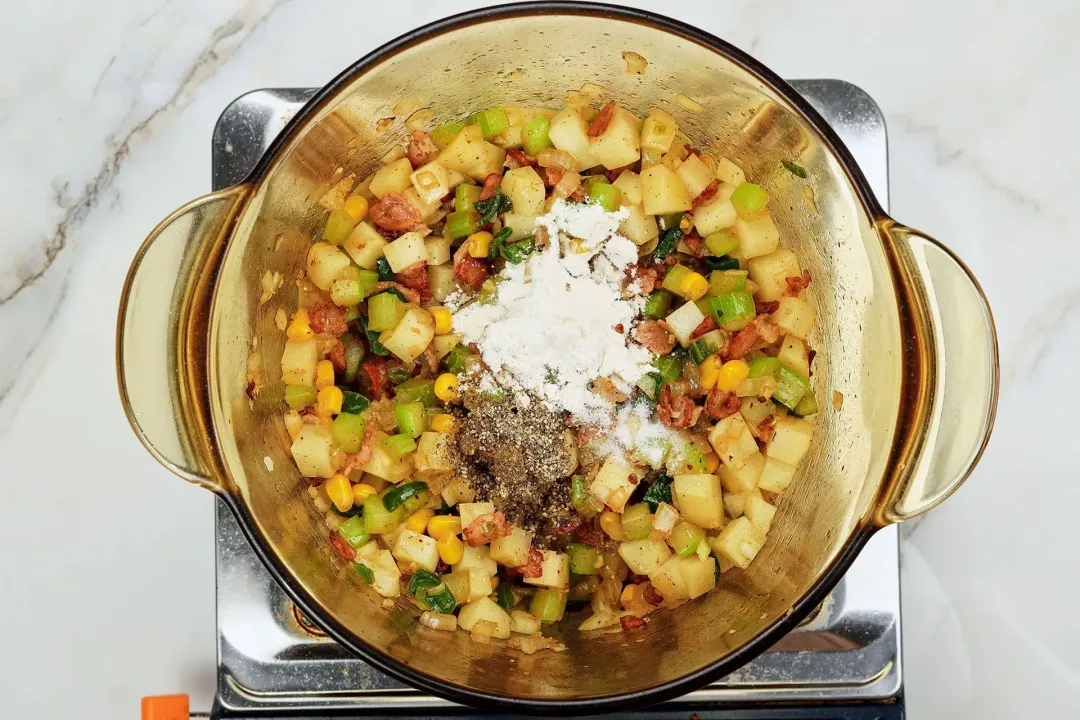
450,549
731,374
478,244
443,321
712,461
443,422
446,387
693,286
339,490
328,401
611,522
418,521
357,206
686,222
362,492
444,526
300,327
629,593
324,374
710,371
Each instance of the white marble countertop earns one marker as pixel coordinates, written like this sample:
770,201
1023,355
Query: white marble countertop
105,123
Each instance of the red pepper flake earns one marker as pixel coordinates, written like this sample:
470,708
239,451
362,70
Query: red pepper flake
619,328
343,549
632,478
631,622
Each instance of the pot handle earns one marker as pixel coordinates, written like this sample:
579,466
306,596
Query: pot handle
959,384
161,335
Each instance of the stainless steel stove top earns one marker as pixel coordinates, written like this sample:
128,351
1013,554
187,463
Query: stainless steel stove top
272,662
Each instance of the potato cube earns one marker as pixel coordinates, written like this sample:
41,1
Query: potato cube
698,574
734,504
791,439
629,184
523,622
732,441
479,583
758,236
427,210
391,178
644,556
508,138
314,452
410,337
755,412
740,542
521,226
668,580
554,571
771,271
477,558
457,491
569,131
729,172
663,192
383,465
364,245
658,131
512,550
612,484
638,227
758,510
406,251
525,189
431,181
325,264
620,143
745,476
434,451
698,499
441,281
416,549
713,216
684,321
795,316
469,511
387,580
445,343
695,174
298,362
438,250
793,354
776,475
485,609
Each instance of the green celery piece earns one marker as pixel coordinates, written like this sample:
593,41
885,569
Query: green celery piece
416,390
790,388
669,367
461,224
796,170
445,134
637,521
338,227
674,278
668,240
749,200
548,605
583,559
465,196
346,292
669,220
807,406
354,355
422,580
441,601
354,531
534,135
378,519
457,358
725,281
764,366
492,121
348,431
410,417
366,574
605,195
397,495
299,397
372,337
368,280
657,305
736,309
701,350
400,445
722,243
578,496
384,311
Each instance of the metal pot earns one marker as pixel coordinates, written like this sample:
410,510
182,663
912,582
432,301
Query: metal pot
907,350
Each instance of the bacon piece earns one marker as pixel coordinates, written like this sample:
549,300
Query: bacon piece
469,271
487,527
367,449
760,328
519,157
422,149
551,175
647,278
613,175
797,284
602,120
695,244
707,325
589,534
491,184
652,595
532,567
766,307
720,404
578,195
631,622
441,568
607,390
337,357
430,368
376,372
328,319
655,336
416,277
572,523
705,195
395,213
767,428
343,549
676,411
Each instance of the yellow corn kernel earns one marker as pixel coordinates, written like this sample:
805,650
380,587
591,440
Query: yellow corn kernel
418,521
362,492
731,374
478,244
712,461
611,522
443,422
686,222
629,593
339,490
446,387
328,401
300,327
693,286
443,321
444,526
710,371
324,374
357,206
450,549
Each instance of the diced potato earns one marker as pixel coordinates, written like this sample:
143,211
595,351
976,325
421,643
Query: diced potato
569,131
663,192
438,250
469,511
512,550
620,144
638,227
729,172
298,362
410,337
668,580
334,198
406,251
732,441
740,542
523,622
455,177
756,411
725,190
419,550
675,155
776,475
713,216
477,558
391,178
629,184
508,138
644,556
383,465
325,264
521,226
441,281
684,321
434,451
491,161
791,439
758,510
468,153
445,343
612,484
698,499
795,316
431,182
525,189
758,236
734,504
485,609
457,491
387,580
658,131
793,354
698,574
554,571
364,245
315,453
695,174
479,583
427,210
459,585
771,271
745,476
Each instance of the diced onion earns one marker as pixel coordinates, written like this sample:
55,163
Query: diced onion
417,119
558,159
438,621
567,185
665,518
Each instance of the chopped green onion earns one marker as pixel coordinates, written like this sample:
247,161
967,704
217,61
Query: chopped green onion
354,354
354,531
488,209
685,538
445,134
749,200
384,311
579,496
605,195
379,519
461,224
364,572
495,247
348,431
338,227
722,243
736,309
637,521
492,121
807,406
701,350
465,196
668,240
517,252
670,220
725,281
548,605
398,446
534,135
440,601
505,597
658,491
657,305
416,390
395,496
669,367
299,397
383,270
583,559
411,419
764,366
674,277
422,580
790,388
794,169
722,263
457,359
372,337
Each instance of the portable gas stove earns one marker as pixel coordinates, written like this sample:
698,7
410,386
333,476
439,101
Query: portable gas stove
843,663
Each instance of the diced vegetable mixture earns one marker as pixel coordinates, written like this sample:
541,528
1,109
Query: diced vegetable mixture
375,374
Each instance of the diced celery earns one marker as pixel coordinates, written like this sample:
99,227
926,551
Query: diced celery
605,195
461,224
397,375
366,574
492,121
720,243
701,350
764,366
353,402
354,531
736,309
399,495
674,278
505,597
637,521
445,134
649,384
410,418
534,135
669,367
354,354
790,388
421,581
465,196
338,227
377,519
725,281
416,390
724,262
368,280
384,312
657,305
400,445
685,538
807,406
348,431
583,559
749,200
548,605
299,397
347,291
457,359
578,494
439,599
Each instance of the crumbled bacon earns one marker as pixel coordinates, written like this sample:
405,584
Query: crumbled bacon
487,527
631,622
602,120
589,534
578,195
328,319
343,549
337,357
422,149
655,336
551,175
441,568
706,325
416,277
704,196
767,428
430,368
608,390
519,157
375,368
676,411
766,307
797,284
694,244
720,404
469,271
652,595
395,213
491,184
613,174
572,523
533,567
760,328
647,278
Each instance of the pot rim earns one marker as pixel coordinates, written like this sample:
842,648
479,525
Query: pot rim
604,703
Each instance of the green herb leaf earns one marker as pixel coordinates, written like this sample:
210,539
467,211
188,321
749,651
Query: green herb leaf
422,580
659,491
495,248
395,292
398,375
398,494
517,252
667,243
364,572
794,169
504,596
721,263
382,266
489,208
